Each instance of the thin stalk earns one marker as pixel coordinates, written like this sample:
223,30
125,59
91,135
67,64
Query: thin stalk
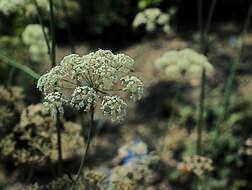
19,66
210,16
175,101
230,79
236,61
10,78
208,24
69,31
53,63
201,111
233,68
200,25
52,27
58,127
173,104
42,26
86,149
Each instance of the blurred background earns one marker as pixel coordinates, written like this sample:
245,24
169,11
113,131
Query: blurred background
180,136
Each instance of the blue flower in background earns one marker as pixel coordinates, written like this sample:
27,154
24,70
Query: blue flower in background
130,156
138,141
233,41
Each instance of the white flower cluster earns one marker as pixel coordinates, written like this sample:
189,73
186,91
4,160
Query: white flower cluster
114,107
53,103
83,98
8,7
183,63
33,37
100,75
134,85
152,18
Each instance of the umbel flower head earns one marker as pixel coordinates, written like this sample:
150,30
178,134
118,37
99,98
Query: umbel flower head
86,81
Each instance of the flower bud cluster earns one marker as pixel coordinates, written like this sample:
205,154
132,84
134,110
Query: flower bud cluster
183,63
85,81
152,18
196,164
33,37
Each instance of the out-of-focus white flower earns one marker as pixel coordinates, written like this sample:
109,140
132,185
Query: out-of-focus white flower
183,63
152,18
8,7
84,80
163,19
33,37
32,34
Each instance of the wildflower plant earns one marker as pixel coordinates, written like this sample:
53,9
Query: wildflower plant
152,19
84,82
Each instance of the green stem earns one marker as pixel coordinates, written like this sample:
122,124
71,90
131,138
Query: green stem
17,65
201,111
69,31
86,149
10,78
52,27
42,26
210,16
59,144
208,24
53,63
175,100
200,25
236,61
230,79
